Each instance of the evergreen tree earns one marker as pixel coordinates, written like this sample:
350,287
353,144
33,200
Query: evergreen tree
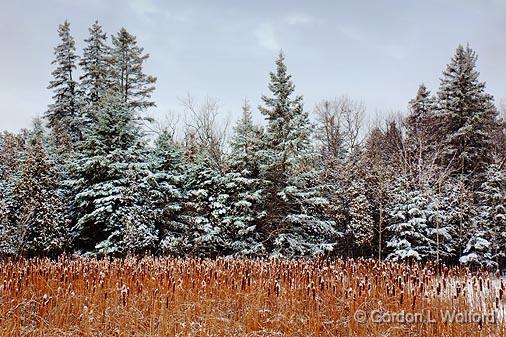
167,193
65,106
134,86
96,65
111,165
360,220
245,145
408,228
12,148
444,208
295,222
420,141
245,189
40,224
466,116
418,122
204,207
457,212
487,239
8,238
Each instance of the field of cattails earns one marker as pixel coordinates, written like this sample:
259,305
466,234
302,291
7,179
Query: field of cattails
228,297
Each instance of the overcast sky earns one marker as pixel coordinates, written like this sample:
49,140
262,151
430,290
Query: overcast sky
377,51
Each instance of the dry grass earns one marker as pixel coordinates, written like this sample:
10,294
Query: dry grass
171,297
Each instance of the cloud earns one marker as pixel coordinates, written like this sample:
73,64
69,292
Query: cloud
266,37
395,51
352,33
295,20
143,7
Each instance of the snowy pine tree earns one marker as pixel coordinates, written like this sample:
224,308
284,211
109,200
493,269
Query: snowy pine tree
7,239
487,239
111,165
408,229
245,144
39,220
361,224
96,65
245,188
466,116
295,222
167,193
133,85
65,106
204,207
12,148
420,141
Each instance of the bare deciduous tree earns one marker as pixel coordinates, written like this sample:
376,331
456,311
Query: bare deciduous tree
340,123
203,130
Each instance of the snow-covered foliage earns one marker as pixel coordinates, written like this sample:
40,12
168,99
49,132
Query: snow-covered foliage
38,218
96,65
132,84
361,222
426,186
65,107
409,224
296,222
465,115
487,239
110,179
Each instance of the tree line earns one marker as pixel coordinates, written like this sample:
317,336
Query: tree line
88,179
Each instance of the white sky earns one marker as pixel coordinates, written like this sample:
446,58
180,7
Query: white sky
377,51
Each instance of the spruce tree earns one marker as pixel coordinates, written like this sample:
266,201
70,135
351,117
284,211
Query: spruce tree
487,239
96,65
245,188
205,205
418,122
8,237
295,223
39,219
65,106
245,144
408,227
167,193
361,224
111,165
420,141
134,86
466,117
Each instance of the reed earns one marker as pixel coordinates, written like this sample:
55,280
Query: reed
231,297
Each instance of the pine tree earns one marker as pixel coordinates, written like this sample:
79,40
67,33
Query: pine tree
361,224
245,189
39,220
420,141
96,65
204,207
167,193
243,218
457,212
134,86
8,238
12,147
418,122
111,165
408,228
245,145
466,116
487,239
295,222
65,106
